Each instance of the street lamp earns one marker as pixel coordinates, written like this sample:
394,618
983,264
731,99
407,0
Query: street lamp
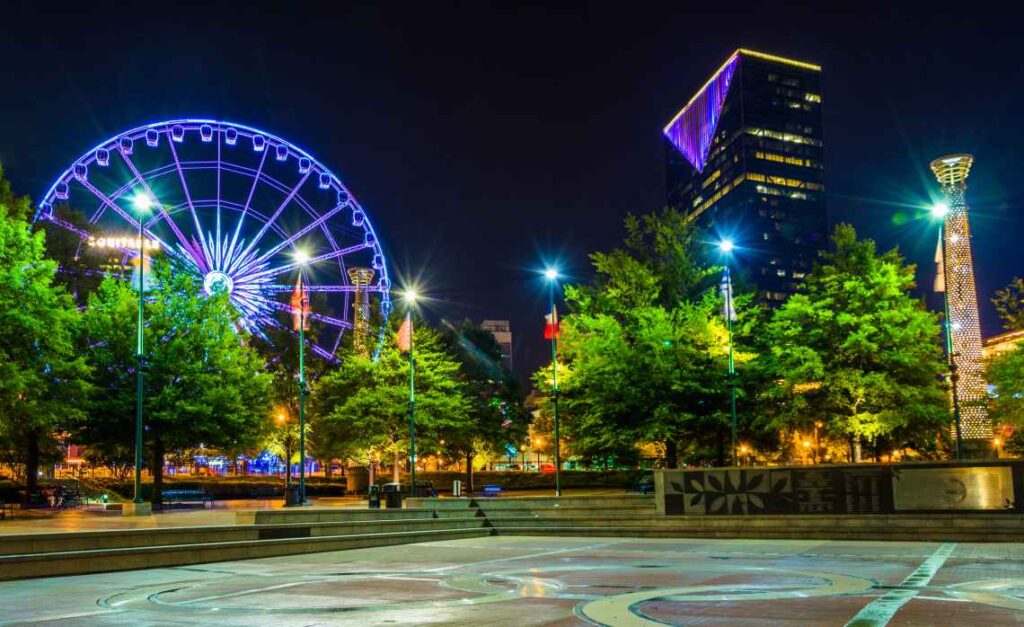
726,247
301,258
807,445
939,211
997,442
410,296
142,204
817,440
551,274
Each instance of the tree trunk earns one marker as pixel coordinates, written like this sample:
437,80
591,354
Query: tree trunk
671,454
857,449
372,479
32,465
395,476
469,472
157,470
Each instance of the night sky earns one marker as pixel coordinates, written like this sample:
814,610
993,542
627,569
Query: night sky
484,139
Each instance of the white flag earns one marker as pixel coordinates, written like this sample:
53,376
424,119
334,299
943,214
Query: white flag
940,268
725,289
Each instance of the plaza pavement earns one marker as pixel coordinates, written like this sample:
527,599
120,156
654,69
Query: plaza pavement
530,580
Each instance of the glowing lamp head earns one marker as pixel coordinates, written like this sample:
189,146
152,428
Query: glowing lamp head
300,256
410,296
726,246
551,274
141,202
939,210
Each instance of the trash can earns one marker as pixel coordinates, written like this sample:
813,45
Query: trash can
373,492
292,496
393,495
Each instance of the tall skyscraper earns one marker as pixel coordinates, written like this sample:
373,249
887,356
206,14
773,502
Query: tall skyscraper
745,158
962,299
502,333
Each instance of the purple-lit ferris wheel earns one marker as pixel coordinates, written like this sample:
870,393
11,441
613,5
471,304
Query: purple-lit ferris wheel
241,209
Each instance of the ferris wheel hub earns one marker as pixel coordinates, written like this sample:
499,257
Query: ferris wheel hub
217,282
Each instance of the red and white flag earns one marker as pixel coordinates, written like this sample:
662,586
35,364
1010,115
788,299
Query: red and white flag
551,328
404,340
940,268
300,306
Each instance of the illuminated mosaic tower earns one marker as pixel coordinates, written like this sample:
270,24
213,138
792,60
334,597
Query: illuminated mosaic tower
361,278
962,297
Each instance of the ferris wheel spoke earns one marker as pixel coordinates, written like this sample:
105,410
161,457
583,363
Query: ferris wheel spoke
107,202
191,207
280,288
334,322
187,246
291,266
273,218
245,208
219,244
293,238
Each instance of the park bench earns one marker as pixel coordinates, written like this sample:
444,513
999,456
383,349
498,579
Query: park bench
492,490
170,497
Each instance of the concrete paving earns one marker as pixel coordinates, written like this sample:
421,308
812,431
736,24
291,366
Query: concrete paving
528,580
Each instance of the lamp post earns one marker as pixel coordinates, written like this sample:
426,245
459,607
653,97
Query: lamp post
726,246
807,446
537,443
142,204
551,274
302,258
410,297
939,211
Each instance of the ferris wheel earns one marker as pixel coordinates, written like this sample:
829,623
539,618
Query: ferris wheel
242,210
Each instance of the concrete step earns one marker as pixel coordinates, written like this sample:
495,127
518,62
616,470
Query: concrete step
634,500
582,511
281,516
781,533
59,563
134,538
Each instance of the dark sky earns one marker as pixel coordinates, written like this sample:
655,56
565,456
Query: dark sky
485,138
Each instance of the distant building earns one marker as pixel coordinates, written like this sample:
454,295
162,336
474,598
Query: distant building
1002,343
745,158
503,335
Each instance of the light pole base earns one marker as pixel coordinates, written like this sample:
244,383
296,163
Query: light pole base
136,509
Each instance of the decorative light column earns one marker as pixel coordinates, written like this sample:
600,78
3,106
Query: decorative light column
964,328
361,278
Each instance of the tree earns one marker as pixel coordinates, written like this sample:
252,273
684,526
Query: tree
43,378
645,348
855,350
498,417
204,385
1009,303
363,403
1006,374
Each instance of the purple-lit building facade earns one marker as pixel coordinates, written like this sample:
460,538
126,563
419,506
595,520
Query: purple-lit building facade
745,159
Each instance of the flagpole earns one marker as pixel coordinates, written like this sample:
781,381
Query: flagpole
554,389
412,410
732,365
303,303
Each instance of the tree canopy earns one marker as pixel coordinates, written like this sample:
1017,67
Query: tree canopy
203,383
855,350
43,377
1009,304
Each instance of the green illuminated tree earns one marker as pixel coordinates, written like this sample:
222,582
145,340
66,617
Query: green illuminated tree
856,350
1006,373
43,377
363,404
204,385
1009,303
498,417
644,347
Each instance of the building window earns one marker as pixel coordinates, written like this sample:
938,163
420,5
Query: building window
809,97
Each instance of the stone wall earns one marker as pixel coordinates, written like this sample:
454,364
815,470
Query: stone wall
983,486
